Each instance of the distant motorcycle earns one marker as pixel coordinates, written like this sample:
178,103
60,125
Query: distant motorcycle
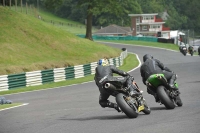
167,96
183,51
199,51
131,106
191,51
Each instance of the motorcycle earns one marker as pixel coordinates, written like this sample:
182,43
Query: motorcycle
184,51
191,52
167,96
131,106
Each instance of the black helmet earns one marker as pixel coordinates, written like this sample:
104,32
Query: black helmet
147,56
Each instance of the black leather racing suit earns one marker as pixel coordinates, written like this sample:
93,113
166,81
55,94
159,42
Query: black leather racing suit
154,66
105,73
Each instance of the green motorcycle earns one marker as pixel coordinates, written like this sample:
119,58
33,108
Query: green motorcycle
167,96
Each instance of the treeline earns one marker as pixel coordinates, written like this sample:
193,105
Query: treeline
183,14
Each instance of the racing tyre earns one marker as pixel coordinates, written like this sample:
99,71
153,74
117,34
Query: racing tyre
131,112
147,109
164,97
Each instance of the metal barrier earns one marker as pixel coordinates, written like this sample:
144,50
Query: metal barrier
8,82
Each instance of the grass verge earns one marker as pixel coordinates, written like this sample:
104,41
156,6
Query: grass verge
4,106
145,43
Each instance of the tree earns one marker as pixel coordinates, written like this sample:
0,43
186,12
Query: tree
96,7
129,7
151,6
185,14
191,10
52,4
175,20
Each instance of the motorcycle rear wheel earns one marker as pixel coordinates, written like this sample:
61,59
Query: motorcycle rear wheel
164,97
125,107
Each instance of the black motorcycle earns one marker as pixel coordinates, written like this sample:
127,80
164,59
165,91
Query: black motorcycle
131,106
184,51
191,51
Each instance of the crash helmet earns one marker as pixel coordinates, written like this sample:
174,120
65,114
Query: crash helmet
103,62
147,56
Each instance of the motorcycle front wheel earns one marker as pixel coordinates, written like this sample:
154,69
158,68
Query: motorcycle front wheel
147,109
164,97
122,102
179,101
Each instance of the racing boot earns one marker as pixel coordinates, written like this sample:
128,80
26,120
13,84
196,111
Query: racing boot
113,105
117,107
171,84
176,90
172,81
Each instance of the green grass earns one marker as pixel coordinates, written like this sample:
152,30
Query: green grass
29,44
151,44
4,106
62,23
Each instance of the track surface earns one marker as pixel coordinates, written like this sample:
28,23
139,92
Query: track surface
75,109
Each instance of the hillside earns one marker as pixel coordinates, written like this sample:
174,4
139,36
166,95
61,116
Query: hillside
29,44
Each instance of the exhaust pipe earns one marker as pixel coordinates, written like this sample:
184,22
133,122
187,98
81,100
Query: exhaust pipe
107,85
110,86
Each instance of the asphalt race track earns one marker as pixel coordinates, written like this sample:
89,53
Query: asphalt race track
75,109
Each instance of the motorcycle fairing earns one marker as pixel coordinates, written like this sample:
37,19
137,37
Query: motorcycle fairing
156,80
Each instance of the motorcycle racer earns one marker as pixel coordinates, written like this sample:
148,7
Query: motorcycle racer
104,72
154,66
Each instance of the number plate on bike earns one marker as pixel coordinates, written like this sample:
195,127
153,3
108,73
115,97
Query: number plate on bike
140,108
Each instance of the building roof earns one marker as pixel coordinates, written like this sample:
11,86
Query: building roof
113,29
150,14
